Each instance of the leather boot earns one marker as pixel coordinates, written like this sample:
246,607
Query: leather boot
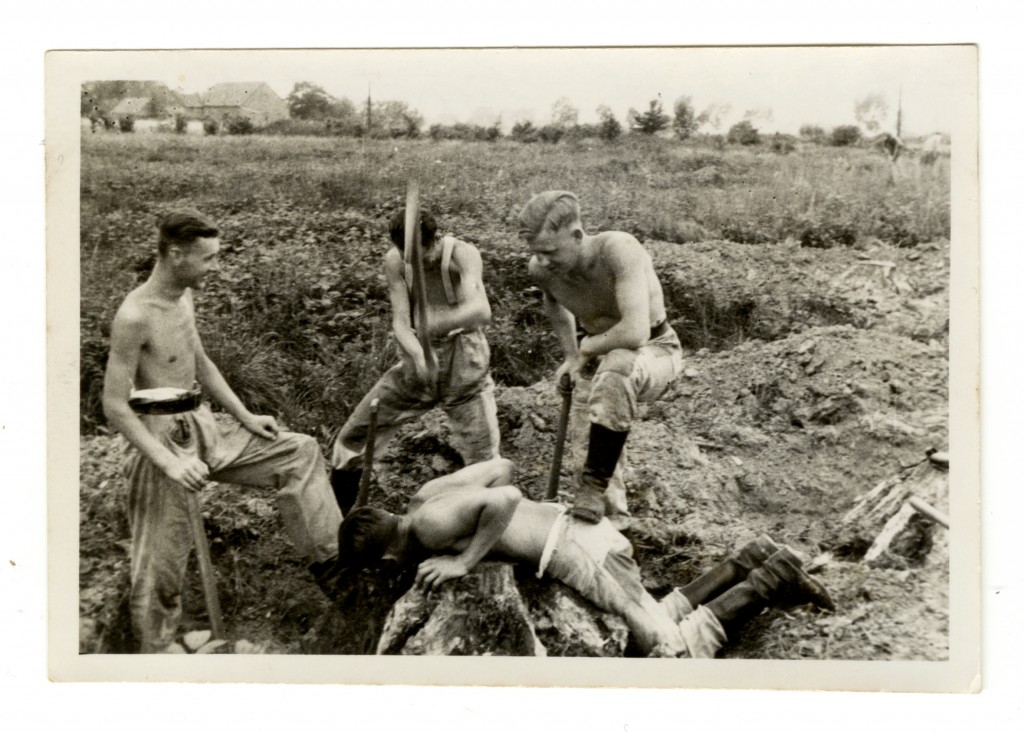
345,484
779,581
603,451
733,570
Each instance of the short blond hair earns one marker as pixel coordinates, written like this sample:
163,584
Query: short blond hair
558,208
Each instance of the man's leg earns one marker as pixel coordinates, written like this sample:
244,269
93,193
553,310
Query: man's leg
468,396
624,378
399,402
160,543
293,465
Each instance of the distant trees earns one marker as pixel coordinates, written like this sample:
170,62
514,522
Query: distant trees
813,133
713,115
845,135
564,115
608,128
684,123
744,133
394,119
309,101
651,121
871,111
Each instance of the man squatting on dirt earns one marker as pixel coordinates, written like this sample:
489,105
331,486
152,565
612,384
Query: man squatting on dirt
154,343
476,513
458,310
628,354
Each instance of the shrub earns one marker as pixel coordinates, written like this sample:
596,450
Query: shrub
126,123
210,126
813,133
684,123
744,133
550,133
651,121
524,131
239,125
845,135
180,124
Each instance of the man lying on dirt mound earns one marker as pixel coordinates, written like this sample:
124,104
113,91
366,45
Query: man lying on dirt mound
628,354
475,513
457,309
155,347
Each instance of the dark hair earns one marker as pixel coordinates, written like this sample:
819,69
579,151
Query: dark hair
182,227
364,536
396,228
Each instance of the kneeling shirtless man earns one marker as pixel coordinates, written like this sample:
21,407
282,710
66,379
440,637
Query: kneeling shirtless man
179,447
628,353
476,513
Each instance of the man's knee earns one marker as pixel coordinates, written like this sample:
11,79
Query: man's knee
619,361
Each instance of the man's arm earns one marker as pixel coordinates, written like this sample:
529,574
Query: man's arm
127,337
628,265
563,322
401,313
473,310
486,512
213,382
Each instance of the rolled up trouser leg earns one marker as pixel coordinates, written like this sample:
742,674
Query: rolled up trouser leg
579,440
603,452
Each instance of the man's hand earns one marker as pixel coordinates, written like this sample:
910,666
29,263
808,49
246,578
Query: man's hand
422,371
189,472
574,366
262,425
436,571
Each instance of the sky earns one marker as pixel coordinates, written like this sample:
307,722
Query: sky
784,87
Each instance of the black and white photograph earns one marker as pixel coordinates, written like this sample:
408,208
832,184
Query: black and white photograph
651,358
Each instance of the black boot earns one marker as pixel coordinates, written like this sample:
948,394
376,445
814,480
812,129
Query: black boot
780,580
345,484
603,453
733,570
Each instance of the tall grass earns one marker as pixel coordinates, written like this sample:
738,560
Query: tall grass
298,317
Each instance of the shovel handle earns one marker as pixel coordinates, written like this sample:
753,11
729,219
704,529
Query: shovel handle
371,437
565,389
209,581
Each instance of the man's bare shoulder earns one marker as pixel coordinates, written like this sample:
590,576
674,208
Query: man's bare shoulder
617,242
134,310
464,253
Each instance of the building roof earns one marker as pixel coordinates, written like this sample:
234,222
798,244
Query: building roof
191,100
135,106
231,94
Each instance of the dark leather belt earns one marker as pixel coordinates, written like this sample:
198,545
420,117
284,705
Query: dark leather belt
656,331
187,402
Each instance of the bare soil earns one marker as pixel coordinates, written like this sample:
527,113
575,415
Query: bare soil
829,375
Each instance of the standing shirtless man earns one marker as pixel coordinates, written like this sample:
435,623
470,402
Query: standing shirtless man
476,513
628,353
457,312
179,447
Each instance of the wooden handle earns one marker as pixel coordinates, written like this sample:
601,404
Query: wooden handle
195,520
371,437
565,389
414,256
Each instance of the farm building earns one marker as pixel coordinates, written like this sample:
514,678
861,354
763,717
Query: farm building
255,101
137,107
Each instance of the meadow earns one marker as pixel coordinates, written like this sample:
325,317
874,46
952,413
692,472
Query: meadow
297,315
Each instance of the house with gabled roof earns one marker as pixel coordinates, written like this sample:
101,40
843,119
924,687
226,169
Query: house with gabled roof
254,100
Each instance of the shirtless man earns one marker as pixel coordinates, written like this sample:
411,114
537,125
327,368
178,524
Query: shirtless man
154,343
628,353
476,513
458,310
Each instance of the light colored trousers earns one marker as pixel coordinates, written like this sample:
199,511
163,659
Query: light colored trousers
464,390
158,510
624,378
597,561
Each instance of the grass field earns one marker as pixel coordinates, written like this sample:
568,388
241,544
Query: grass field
297,316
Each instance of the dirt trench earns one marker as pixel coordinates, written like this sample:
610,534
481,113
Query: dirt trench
809,377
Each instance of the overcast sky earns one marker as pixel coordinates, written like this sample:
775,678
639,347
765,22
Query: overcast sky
787,87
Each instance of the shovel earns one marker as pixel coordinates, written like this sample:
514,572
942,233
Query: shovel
195,520
565,389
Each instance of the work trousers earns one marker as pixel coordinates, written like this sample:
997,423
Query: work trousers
161,538
464,390
597,561
624,378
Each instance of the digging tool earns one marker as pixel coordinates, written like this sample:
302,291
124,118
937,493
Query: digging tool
414,257
195,520
371,436
565,389
929,511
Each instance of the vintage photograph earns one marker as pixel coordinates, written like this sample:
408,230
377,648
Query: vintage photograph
618,353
